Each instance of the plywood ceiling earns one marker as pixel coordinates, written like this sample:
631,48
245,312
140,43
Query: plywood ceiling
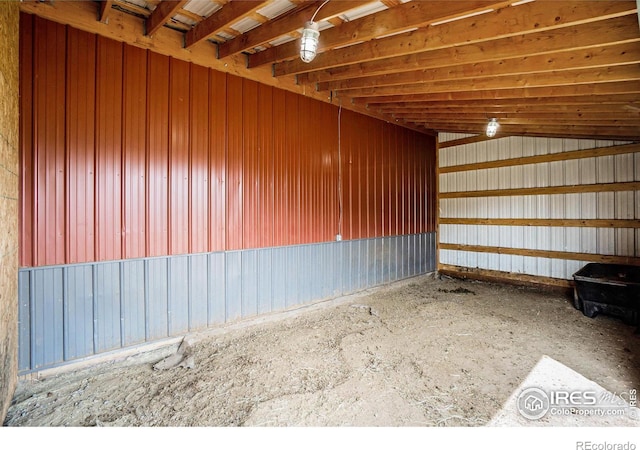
542,68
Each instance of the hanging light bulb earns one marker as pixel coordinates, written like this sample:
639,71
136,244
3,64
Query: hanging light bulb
492,127
309,41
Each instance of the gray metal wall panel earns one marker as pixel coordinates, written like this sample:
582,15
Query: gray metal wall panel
157,301
233,266
217,291
414,251
381,257
47,340
67,312
293,297
178,314
24,320
107,307
306,265
405,257
249,283
198,292
371,261
384,259
133,310
279,278
265,280
337,269
350,266
78,312
326,280
393,258
432,253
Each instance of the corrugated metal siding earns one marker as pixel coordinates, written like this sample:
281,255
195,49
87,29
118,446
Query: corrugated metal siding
604,205
134,156
74,311
131,154
80,140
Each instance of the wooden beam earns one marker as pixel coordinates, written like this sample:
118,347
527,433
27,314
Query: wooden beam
522,104
573,223
515,93
104,9
552,254
629,72
165,10
495,276
519,21
434,55
621,109
538,65
539,159
543,118
286,24
563,131
462,141
550,190
399,18
231,12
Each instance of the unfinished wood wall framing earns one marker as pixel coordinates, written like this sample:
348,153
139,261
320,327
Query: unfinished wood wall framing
537,209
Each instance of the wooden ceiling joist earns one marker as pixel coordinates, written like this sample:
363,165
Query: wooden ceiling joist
286,24
629,72
559,68
540,65
231,12
400,18
162,14
104,8
525,22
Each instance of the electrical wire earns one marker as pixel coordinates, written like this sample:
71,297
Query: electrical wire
339,171
314,14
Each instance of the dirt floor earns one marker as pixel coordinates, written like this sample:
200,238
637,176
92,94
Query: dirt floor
423,352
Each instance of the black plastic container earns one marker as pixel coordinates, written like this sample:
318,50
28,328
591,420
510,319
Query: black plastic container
612,289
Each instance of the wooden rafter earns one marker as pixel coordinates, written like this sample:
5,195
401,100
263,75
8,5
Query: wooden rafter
522,23
229,13
104,8
161,15
286,24
562,68
400,18
589,58
629,72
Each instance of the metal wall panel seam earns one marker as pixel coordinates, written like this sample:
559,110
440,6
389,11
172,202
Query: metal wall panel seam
189,293
169,295
65,312
122,305
94,299
24,323
147,325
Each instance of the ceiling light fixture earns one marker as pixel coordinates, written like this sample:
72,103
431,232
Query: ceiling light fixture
492,127
310,36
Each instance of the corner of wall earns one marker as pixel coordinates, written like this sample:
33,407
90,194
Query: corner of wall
9,62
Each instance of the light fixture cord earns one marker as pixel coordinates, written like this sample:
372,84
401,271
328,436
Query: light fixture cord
319,7
339,171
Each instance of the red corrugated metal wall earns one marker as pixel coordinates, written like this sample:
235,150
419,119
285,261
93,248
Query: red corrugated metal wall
127,153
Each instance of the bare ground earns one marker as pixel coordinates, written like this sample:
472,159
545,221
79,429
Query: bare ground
423,352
